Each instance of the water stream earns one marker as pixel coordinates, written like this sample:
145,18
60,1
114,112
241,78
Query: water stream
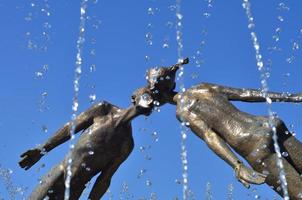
76,87
264,76
180,78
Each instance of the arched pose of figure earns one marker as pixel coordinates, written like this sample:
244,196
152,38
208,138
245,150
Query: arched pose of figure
105,143
214,119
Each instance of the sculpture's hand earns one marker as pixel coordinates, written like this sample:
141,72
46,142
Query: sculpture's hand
30,157
247,175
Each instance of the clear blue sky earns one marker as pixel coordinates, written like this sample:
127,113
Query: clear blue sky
120,49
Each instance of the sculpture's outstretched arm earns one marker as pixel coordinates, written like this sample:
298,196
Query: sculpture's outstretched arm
82,121
244,174
252,95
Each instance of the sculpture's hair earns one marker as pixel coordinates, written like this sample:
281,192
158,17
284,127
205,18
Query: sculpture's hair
161,78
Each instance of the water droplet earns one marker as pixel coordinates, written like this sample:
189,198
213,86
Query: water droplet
147,157
172,8
284,154
28,18
290,59
282,6
278,30
194,75
44,129
92,98
260,65
83,11
177,181
142,149
150,11
257,196
147,58
90,152
169,24
207,14
295,46
141,173
92,68
92,52
179,16
148,37
276,38
155,136
165,45
280,18
251,25
148,183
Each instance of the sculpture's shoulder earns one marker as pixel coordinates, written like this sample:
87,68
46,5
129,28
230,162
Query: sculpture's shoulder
102,108
197,90
203,87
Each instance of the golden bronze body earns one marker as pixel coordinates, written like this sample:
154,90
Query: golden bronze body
105,143
209,113
107,139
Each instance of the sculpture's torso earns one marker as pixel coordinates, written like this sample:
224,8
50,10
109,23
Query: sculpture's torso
105,142
239,129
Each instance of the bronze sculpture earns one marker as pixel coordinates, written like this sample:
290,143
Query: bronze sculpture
207,110
105,143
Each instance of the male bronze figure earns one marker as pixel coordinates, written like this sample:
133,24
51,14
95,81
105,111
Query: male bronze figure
105,143
207,110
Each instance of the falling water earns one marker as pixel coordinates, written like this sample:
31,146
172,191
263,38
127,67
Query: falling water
209,191
38,40
94,24
12,190
230,192
264,77
197,57
184,159
76,85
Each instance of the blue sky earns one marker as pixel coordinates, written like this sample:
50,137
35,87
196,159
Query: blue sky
116,31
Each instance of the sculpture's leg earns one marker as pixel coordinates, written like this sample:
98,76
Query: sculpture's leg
52,185
291,145
294,180
294,150
77,187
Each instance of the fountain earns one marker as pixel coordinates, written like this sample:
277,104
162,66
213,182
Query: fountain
122,41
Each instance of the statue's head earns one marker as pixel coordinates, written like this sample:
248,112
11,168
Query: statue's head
161,81
143,99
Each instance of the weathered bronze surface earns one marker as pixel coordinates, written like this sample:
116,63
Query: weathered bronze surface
213,118
105,143
107,140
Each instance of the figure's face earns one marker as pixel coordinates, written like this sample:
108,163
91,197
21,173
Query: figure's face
161,82
142,99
